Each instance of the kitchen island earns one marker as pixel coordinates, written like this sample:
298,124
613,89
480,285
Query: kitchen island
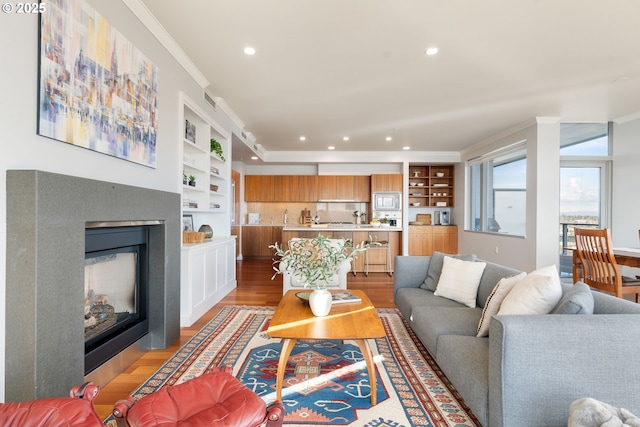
385,242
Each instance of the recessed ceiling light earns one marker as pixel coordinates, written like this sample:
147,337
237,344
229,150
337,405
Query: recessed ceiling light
431,51
388,138
249,50
406,148
345,138
303,138
254,157
331,147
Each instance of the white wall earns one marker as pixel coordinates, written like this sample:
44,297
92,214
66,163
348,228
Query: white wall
22,148
626,177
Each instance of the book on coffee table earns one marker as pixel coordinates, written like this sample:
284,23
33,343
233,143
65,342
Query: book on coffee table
343,297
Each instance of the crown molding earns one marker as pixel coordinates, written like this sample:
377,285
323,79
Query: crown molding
151,23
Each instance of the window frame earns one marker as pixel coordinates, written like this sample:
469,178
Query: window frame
483,201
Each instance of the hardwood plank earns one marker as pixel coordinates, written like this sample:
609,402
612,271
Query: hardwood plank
256,288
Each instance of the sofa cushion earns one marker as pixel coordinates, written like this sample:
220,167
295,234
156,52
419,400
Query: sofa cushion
408,300
430,323
459,280
435,269
577,300
537,293
492,274
492,306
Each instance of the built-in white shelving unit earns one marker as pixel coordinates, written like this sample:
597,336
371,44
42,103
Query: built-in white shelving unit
208,268
208,200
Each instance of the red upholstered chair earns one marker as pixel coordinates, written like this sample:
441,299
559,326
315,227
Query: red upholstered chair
213,399
75,411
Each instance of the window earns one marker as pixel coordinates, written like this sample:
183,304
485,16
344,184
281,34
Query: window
585,183
498,191
584,139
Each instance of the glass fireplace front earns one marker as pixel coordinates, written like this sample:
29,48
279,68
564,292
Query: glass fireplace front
115,291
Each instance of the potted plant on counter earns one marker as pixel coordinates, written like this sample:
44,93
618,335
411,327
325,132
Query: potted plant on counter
315,261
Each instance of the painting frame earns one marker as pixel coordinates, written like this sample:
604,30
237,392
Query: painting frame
187,222
96,90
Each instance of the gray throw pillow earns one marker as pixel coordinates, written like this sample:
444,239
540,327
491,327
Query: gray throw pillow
577,300
435,268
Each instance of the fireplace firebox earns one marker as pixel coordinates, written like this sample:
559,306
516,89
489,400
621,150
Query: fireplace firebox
115,290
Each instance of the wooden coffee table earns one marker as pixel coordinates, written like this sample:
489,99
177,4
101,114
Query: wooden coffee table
293,320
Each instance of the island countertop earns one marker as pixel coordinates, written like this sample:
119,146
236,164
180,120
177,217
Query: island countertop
338,227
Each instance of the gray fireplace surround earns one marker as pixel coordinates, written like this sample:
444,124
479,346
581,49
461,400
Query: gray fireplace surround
46,217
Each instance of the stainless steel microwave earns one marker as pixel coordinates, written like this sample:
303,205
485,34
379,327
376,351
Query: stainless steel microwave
387,201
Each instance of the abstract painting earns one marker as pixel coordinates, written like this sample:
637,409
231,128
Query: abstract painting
96,90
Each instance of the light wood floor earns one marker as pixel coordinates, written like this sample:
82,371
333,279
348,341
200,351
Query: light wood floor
255,287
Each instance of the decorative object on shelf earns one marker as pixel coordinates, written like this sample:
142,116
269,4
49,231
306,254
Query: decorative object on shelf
315,261
190,131
192,180
187,222
83,59
213,187
192,236
217,148
185,179
207,230
416,174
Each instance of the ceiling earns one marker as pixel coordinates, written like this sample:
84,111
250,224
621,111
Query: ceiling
357,68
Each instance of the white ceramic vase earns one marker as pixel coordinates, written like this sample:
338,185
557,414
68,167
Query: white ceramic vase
320,302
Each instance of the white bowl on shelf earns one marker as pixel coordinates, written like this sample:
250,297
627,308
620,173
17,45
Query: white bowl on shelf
420,184
440,174
415,204
413,184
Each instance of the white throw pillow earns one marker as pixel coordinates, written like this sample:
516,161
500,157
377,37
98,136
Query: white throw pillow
538,293
459,280
497,295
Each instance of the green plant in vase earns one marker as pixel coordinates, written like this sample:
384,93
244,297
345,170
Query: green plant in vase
192,180
217,148
315,261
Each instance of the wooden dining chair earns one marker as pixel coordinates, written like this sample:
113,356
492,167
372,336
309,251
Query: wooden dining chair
599,267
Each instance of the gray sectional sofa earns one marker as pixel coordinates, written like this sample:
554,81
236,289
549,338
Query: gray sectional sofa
530,367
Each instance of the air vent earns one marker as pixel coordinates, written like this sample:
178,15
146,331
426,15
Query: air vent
244,135
210,100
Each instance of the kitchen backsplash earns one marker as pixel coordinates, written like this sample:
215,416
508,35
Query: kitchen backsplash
273,213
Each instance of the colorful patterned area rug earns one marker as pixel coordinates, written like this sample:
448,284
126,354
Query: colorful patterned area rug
326,382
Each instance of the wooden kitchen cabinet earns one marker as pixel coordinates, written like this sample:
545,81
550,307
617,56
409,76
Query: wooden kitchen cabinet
306,188
259,188
336,187
426,239
256,240
386,182
362,191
